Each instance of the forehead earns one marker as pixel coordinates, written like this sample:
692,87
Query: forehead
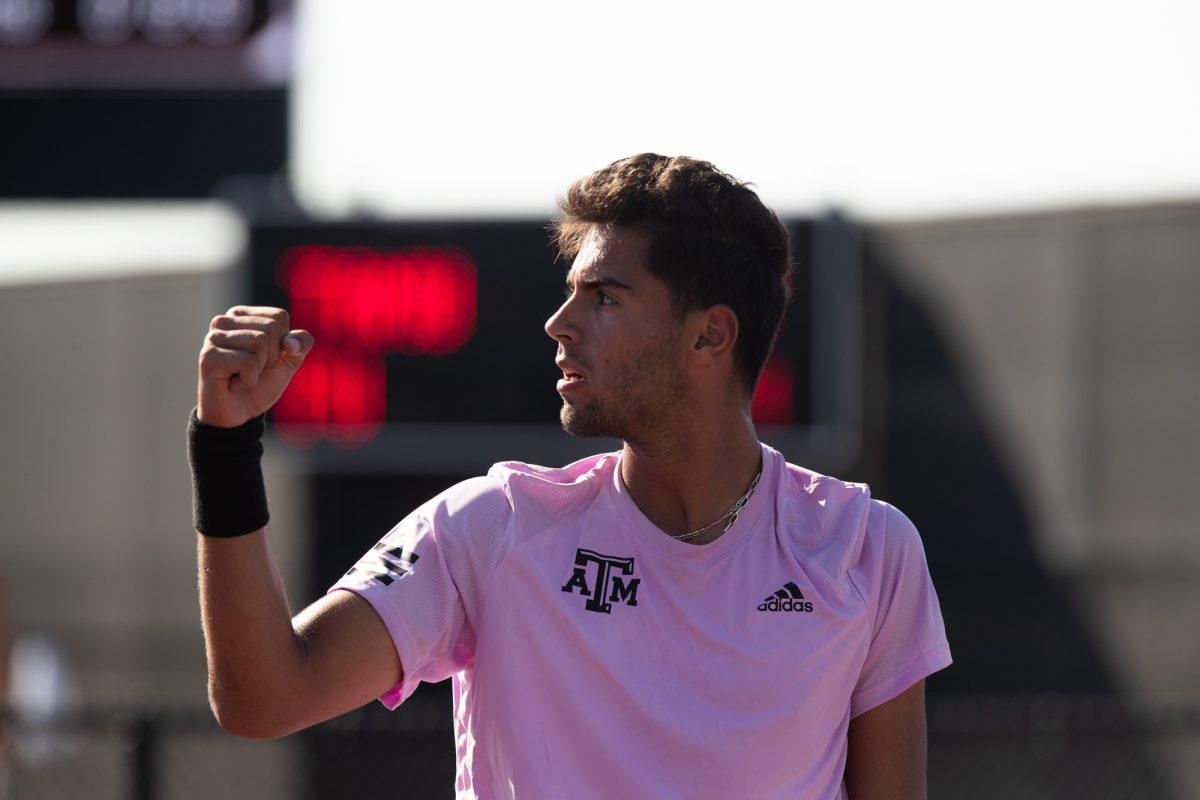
611,252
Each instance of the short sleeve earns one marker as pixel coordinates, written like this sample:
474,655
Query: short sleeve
428,576
908,636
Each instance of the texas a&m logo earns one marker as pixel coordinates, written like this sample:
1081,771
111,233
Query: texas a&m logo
606,587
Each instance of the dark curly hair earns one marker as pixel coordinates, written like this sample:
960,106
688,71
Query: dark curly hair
711,240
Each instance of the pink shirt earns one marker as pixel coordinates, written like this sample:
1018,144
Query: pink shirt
593,655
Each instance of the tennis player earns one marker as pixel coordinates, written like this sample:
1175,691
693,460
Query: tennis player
689,617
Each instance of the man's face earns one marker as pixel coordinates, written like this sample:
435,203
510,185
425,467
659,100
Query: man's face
620,347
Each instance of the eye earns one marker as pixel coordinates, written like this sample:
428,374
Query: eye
606,296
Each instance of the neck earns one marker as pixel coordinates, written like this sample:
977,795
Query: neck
690,474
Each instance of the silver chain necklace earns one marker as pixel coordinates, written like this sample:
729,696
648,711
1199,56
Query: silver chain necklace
735,511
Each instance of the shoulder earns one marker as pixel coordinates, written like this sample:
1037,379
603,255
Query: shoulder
825,519
513,498
839,524
538,495
473,514
892,547
470,501
894,528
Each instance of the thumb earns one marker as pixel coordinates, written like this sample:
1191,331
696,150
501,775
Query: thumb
297,343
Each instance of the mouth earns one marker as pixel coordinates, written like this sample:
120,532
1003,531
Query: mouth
570,381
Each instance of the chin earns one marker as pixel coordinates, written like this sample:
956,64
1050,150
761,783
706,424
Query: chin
586,421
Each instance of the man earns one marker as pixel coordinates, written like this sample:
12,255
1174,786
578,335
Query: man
690,617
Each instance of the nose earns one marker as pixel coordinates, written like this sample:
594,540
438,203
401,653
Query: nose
560,328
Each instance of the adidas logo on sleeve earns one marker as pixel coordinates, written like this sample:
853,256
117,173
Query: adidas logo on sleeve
789,598
385,564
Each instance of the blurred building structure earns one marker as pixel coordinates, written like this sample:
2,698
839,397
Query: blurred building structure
1079,338
103,310
1070,564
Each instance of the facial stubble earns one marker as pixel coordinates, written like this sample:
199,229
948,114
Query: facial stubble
641,395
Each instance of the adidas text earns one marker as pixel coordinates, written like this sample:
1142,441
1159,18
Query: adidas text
775,604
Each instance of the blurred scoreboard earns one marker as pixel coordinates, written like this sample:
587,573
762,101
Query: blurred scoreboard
440,325
148,99
114,22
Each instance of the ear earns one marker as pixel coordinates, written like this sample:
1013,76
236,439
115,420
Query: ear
717,331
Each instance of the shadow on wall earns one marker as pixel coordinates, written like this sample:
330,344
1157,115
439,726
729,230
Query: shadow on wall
1012,629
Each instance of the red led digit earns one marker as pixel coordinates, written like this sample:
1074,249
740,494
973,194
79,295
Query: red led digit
339,396
362,304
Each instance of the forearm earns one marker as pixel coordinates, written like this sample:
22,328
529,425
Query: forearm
254,654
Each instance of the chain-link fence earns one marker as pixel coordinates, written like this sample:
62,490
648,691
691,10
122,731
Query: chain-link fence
1027,747
1060,747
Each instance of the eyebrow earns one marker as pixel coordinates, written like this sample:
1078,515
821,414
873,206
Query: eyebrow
604,281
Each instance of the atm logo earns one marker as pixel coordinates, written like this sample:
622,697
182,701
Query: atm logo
789,598
612,580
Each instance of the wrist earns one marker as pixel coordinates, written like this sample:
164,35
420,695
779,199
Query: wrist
210,425
228,493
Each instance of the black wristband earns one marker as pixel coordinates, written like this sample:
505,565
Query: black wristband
229,497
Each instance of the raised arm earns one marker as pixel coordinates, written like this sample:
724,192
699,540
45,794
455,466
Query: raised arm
269,674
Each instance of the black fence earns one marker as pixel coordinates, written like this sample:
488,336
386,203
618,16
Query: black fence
980,747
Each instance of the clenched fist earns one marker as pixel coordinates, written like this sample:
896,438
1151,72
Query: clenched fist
248,358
